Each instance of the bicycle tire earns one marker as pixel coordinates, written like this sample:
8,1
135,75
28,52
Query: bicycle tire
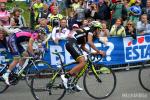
31,71
89,83
144,75
44,89
3,85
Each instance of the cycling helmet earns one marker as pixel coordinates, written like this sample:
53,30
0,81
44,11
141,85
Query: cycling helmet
95,25
136,10
40,30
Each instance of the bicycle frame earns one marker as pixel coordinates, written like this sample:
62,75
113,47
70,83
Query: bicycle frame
26,63
89,64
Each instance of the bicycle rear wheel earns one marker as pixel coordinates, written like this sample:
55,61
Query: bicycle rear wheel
3,85
33,69
101,87
43,87
144,77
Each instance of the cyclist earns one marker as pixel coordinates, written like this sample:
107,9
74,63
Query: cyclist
14,44
81,37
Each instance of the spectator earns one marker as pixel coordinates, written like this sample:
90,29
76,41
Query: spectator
72,32
104,33
85,25
3,0
80,14
43,23
48,2
4,15
71,20
44,13
143,26
118,29
75,5
93,11
54,16
103,10
130,29
18,18
148,10
131,2
119,11
135,11
37,8
60,33
143,5
126,3
3,39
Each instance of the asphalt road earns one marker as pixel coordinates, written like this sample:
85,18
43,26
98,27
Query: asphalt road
128,88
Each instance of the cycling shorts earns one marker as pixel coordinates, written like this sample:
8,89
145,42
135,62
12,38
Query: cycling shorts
15,46
73,48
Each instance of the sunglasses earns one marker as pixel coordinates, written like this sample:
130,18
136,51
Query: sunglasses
129,24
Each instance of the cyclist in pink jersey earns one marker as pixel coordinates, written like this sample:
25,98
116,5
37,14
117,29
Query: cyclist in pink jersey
14,43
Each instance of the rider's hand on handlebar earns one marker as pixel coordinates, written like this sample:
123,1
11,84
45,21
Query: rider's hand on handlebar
101,52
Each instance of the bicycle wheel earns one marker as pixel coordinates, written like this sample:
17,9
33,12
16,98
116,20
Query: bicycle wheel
43,87
144,75
3,85
33,69
101,87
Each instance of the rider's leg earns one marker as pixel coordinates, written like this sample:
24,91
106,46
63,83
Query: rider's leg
10,68
78,67
21,61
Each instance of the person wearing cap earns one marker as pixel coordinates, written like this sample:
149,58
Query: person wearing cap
14,43
80,37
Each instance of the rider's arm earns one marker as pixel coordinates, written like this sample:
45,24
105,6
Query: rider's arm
30,46
84,48
90,42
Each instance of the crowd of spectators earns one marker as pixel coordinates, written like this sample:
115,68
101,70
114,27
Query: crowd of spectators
58,17
11,18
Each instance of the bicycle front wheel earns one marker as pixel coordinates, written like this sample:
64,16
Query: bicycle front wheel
144,76
45,86
102,86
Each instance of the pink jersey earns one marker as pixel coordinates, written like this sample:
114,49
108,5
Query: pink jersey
27,34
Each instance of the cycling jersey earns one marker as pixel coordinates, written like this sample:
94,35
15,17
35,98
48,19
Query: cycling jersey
80,37
15,40
73,48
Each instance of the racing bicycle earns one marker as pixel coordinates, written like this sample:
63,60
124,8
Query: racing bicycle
95,78
28,70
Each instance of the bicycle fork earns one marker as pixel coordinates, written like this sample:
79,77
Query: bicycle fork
95,73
